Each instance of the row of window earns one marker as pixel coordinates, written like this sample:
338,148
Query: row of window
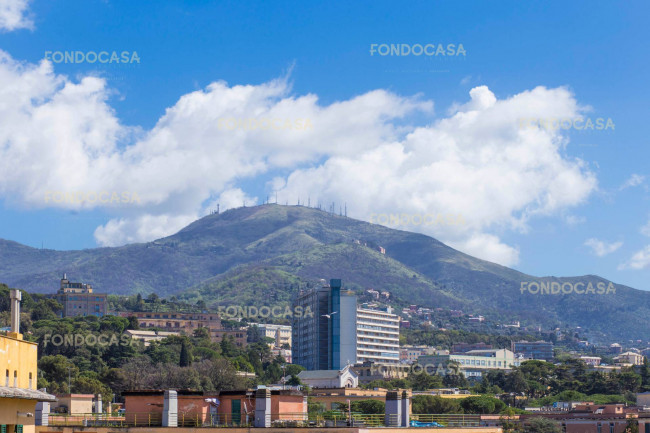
16,379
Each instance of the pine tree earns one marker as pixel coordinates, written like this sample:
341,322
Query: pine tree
186,357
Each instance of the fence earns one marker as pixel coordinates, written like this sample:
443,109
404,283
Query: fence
289,420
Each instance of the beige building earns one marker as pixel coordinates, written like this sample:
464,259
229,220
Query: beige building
280,333
78,299
631,358
186,323
73,403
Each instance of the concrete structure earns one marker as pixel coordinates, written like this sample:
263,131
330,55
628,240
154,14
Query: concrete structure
73,403
18,360
393,408
344,378
170,409
472,363
534,350
78,299
238,336
280,333
200,409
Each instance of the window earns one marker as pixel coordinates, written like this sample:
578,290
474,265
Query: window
15,379
7,379
30,380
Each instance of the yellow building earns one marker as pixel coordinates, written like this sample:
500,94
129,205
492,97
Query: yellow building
18,393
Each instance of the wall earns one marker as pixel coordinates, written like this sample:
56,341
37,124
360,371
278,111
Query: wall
10,406
19,356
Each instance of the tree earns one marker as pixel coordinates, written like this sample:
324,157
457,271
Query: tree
368,406
434,404
542,425
482,405
186,355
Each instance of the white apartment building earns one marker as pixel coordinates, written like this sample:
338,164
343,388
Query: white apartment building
377,336
280,333
474,362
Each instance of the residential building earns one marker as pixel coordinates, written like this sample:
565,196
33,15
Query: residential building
410,354
78,299
18,393
186,323
631,358
377,335
280,333
344,378
591,360
534,350
472,363
238,336
615,348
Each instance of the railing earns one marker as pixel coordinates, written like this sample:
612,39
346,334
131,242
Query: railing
445,420
289,420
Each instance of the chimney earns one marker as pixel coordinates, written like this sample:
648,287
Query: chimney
16,296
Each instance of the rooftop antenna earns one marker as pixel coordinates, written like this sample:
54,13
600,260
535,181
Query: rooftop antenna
217,208
267,199
244,203
346,209
340,212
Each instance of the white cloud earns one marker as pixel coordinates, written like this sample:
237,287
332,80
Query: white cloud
600,248
573,220
13,15
645,230
640,260
59,135
633,180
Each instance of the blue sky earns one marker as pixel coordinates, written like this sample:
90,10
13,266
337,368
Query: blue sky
387,134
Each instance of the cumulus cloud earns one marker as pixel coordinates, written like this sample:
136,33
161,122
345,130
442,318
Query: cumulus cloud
640,260
14,15
62,135
600,248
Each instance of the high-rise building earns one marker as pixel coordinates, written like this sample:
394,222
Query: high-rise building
341,333
78,299
377,337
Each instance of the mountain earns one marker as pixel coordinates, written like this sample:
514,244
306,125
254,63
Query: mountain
267,253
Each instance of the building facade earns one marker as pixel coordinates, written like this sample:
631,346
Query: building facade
186,323
78,299
534,350
280,333
471,364
340,333
18,368
377,338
